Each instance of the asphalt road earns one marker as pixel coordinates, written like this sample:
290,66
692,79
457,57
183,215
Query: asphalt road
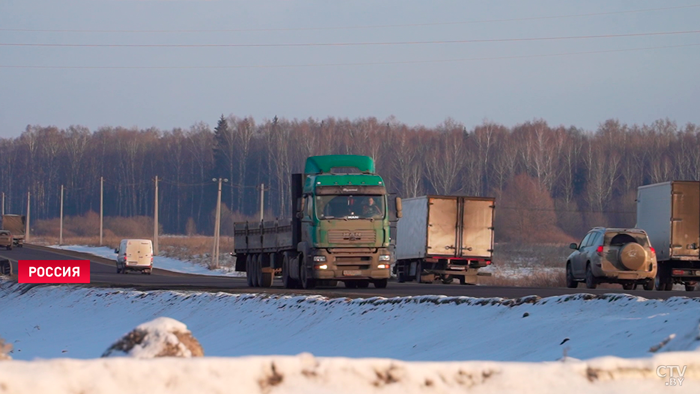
103,274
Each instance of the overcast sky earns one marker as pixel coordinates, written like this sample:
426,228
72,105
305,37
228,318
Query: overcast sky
508,81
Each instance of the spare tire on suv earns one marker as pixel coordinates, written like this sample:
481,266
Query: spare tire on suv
632,256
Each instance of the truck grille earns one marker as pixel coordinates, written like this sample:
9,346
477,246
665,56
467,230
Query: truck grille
350,237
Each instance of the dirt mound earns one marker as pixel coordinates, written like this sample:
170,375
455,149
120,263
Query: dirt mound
162,337
5,349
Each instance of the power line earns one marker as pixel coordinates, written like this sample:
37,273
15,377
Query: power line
349,64
349,27
347,44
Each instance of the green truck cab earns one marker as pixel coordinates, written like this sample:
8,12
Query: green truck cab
339,232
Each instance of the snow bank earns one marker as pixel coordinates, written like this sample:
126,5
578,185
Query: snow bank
62,321
164,263
305,374
161,337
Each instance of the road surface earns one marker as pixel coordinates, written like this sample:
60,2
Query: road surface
103,274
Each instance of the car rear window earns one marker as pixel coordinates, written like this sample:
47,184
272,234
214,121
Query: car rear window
619,239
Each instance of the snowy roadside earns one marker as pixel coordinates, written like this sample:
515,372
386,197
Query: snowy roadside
164,263
306,374
76,322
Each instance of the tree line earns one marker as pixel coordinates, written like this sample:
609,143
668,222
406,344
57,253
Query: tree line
565,176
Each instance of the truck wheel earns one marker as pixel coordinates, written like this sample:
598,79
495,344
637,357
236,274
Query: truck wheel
591,281
258,270
248,271
119,271
690,286
9,248
629,286
306,282
419,272
570,281
663,281
649,285
287,281
350,284
400,277
255,266
381,283
447,279
362,284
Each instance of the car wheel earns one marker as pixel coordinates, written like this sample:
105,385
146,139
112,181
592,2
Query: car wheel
649,285
570,281
690,286
591,281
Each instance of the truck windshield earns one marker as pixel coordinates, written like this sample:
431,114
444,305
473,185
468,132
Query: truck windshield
350,207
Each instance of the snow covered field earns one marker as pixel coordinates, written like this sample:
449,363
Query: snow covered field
363,345
165,263
305,374
62,321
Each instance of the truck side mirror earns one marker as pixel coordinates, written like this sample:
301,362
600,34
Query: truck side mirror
300,215
399,208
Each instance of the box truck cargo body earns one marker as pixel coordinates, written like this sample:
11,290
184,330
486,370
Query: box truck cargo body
670,214
444,237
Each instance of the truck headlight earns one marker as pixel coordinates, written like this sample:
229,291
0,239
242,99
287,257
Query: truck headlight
383,266
384,257
319,259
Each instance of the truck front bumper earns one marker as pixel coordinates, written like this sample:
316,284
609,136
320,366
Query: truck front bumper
348,264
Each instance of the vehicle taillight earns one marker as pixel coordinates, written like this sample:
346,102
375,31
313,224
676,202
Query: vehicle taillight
653,251
600,250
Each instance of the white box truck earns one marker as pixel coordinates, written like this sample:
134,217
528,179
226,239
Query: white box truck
670,214
444,237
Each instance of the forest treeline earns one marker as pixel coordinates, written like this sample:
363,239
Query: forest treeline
560,180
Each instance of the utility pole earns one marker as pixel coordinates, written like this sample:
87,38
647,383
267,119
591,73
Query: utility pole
262,201
155,222
60,232
102,187
26,230
217,225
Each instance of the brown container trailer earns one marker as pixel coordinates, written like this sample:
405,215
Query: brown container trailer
670,214
444,237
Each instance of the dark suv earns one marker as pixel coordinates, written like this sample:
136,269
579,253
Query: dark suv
612,255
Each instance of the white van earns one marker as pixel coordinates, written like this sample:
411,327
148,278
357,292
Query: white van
135,255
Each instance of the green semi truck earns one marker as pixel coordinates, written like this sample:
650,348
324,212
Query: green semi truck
339,230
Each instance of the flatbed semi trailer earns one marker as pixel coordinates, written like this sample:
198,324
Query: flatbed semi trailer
339,230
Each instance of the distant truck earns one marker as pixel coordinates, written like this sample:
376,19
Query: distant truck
16,224
444,237
670,214
339,230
